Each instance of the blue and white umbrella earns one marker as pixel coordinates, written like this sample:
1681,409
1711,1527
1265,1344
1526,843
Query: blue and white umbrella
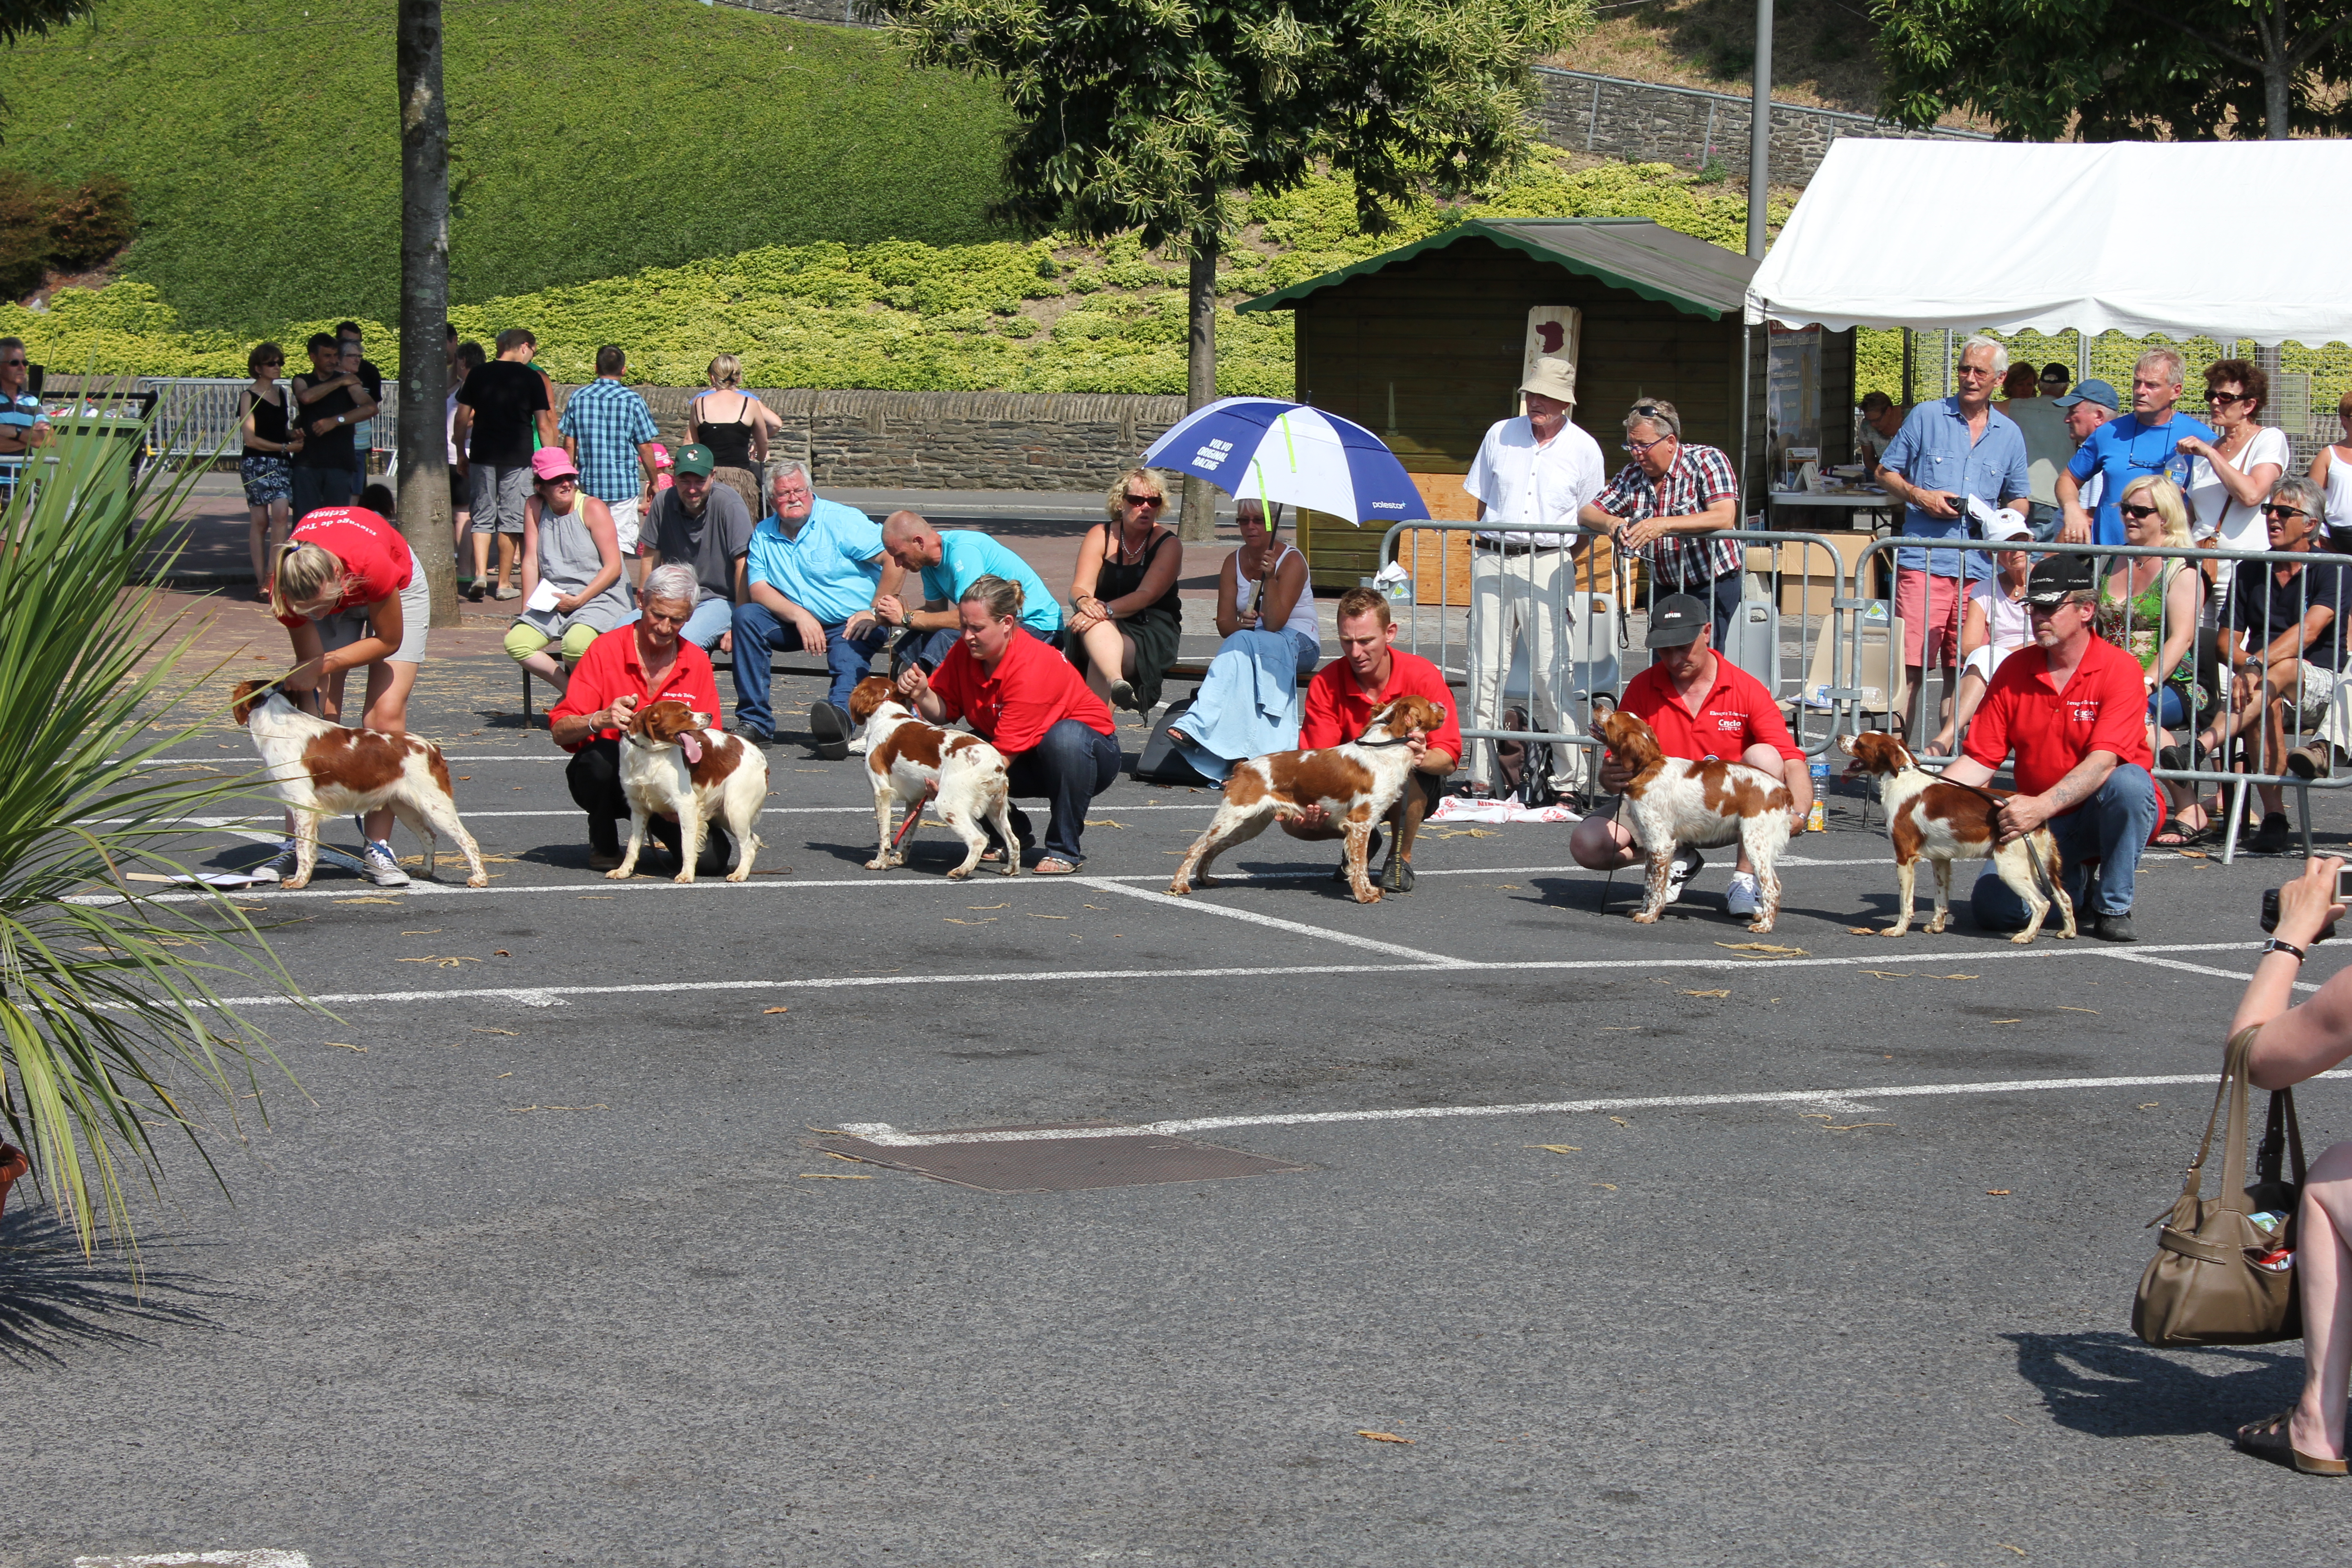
1265,449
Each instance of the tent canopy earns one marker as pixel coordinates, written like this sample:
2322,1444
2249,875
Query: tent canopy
2136,237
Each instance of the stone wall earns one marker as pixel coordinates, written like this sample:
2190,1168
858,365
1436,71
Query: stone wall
949,440
1645,122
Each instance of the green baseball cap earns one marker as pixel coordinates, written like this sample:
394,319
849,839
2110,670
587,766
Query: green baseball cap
695,459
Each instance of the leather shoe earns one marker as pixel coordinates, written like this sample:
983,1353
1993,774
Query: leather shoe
2316,760
2113,928
829,727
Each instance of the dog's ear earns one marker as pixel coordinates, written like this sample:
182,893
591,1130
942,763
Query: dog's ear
641,723
868,695
242,700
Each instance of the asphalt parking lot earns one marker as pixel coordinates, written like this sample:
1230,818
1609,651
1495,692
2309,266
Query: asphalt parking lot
1651,1246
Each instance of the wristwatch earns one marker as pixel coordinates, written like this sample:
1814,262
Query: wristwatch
2275,945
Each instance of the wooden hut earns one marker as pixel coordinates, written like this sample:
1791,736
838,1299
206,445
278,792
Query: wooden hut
1427,344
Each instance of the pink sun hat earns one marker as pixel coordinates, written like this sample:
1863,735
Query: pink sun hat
552,463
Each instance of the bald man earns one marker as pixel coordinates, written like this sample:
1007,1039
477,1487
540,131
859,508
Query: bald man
948,563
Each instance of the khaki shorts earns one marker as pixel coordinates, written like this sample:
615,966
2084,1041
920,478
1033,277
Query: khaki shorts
348,626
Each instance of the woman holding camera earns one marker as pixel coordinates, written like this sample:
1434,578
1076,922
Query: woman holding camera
2298,1043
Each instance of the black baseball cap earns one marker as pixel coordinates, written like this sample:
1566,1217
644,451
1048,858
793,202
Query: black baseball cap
2054,578
1676,620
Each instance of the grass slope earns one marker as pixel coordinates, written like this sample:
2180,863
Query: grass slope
1048,316
589,139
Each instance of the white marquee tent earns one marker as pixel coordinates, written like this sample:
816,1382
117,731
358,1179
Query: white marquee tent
2175,239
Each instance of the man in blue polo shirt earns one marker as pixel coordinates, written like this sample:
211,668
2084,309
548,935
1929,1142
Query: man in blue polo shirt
949,563
2145,441
815,567
1950,452
23,425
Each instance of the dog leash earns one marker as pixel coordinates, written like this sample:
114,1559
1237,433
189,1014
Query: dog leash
914,817
2040,872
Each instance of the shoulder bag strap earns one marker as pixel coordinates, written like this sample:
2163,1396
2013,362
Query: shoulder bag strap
2191,1186
2239,1072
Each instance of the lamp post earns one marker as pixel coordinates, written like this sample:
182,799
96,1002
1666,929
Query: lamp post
1759,131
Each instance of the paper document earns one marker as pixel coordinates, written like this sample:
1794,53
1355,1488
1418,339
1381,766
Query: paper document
542,598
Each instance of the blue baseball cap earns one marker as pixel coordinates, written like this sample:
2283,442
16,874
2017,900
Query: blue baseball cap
2091,391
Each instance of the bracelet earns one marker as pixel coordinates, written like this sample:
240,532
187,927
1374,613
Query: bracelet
2275,945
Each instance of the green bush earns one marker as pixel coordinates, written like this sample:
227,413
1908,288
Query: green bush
44,226
589,139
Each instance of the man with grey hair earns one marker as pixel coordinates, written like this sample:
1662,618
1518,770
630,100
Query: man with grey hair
1663,504
1950,453
814,570
628,667
2145,441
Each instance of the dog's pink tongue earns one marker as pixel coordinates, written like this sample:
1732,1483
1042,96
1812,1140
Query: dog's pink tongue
691,745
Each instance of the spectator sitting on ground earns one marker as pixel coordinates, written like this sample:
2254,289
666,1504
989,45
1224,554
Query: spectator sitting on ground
1669,493
624,669
610,435
2148,607
2284,639
1025,700
703,526
2294,1045
1537,470
2049,447
1949,450
1125,615
2147,440
948,565
570,543
1701,705
1372,671
499,409
2074,710
2055,379
814,572
1994,625
1247,704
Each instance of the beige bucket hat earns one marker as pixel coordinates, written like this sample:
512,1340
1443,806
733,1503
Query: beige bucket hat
1553,378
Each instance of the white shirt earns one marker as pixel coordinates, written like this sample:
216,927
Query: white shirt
2219,516
1524,484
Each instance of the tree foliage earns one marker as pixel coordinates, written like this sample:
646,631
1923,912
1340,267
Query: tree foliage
2122,69
35,18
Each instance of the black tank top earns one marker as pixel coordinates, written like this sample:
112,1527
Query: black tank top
269,422
730,444
1116,579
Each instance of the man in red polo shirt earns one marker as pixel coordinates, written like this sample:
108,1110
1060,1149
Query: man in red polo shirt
1339,703
2073,708
622,671
1701,707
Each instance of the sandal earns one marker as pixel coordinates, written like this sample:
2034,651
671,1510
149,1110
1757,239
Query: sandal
2179,834
1053,866
2274,837
2268,1439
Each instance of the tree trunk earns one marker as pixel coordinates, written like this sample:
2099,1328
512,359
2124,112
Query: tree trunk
2277,95
422,479
1199,521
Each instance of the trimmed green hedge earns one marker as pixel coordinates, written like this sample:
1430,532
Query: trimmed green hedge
1048,316
590,139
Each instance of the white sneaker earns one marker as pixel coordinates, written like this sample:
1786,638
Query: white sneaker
281,864
1687,866
1745,898
379,866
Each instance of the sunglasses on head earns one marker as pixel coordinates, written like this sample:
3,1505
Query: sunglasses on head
2136,512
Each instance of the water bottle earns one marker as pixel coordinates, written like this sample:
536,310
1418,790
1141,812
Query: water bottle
1815,819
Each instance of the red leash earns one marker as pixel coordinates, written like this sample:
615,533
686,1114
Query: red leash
914,817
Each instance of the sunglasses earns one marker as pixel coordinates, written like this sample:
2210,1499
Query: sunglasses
1146,501
2223,399
2136,512
1638,448
1646,410
13,363
2283,512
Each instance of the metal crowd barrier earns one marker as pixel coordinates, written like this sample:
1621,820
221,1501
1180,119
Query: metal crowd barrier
2208,696
197,418
1538,628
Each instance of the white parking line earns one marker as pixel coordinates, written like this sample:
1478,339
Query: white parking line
259,1559
1436,960
1855,1098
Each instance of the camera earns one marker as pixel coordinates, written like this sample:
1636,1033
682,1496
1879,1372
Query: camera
2342,896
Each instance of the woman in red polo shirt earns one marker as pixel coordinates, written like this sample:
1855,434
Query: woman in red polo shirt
347,589
1028,702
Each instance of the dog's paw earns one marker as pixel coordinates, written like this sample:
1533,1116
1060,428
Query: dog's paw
1206,882
959,874
2023,939
742,874
1895,931
478,879
685,876
878,864
1760,927
619,873
1938,926
1370,896
293,884
1179,888
1646,918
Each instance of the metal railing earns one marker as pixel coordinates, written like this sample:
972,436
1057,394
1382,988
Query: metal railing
197,417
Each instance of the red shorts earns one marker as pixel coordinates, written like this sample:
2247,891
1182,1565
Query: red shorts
1930,609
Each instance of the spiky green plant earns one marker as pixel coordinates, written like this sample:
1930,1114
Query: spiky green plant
113,1021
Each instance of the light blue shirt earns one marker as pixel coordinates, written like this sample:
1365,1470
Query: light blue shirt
967,554
831,569
2124,449
1935,451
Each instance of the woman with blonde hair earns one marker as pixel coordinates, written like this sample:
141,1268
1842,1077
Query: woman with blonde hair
2149,606
348,591
735,426
1126,615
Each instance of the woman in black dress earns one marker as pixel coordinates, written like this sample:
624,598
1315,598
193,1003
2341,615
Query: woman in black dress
1126,616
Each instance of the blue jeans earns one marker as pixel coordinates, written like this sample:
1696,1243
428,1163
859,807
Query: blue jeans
2111,827
1069,767
712,619
758,628
2044,522
2165,708
316,488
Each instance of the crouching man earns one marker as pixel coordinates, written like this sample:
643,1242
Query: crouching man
1701,706
2074,708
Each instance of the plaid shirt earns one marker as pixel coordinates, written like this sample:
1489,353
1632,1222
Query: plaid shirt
1700,474
608,420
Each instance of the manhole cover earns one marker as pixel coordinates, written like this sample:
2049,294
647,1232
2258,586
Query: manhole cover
968,1157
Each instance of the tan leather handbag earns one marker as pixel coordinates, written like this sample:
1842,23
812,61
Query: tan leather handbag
2220,1277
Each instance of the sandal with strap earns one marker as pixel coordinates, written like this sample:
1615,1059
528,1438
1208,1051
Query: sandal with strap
1053,866
2179,834
2268,1439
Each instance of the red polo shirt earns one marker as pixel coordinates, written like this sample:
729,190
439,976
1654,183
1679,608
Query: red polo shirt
1338,710
2103,709
610,668
1032,689
1738,713
376,559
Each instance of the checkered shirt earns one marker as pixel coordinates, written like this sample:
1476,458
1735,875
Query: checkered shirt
608,420
1700,474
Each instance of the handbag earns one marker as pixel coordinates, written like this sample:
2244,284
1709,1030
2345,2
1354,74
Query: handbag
2221,1276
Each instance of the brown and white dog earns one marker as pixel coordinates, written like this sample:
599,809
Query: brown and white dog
1674,801
320,769
1357,783
906,758
674,764
1928,819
